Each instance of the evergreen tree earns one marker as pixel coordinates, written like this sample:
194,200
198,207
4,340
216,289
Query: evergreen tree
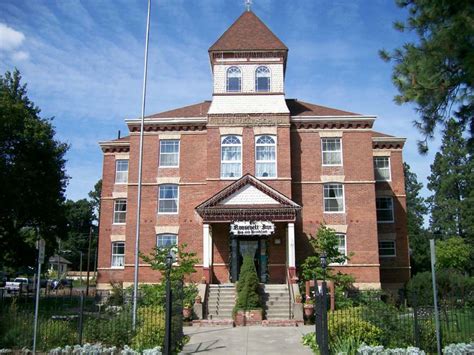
248,297
436,72
417,234
32,176
450,176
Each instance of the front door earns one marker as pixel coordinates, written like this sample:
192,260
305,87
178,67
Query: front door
253,246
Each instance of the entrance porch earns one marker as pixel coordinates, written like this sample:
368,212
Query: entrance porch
248,217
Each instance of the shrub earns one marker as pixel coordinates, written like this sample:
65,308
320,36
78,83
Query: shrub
309,339
247,288
56,333
151,328
379,350
343,324
109,329
345,345
459,349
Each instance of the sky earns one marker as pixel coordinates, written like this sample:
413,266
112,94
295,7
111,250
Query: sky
83,63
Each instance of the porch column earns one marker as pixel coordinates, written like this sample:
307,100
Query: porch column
206,249
290,243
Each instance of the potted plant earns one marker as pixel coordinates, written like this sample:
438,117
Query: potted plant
298,299
309,308
187,311
198,299
248,307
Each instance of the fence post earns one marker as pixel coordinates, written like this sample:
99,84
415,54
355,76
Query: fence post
415,320
167,345
324,320
81,315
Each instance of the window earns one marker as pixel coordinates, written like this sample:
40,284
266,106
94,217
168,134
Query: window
234,79
166,240
262,79
120,211
231,157
169,153
121,171
168,199
387,248
118,254
341,247
332,151
382,168
333,198
265,156
384,207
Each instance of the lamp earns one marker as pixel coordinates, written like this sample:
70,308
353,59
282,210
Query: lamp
324,264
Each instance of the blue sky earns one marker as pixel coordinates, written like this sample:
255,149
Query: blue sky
83,62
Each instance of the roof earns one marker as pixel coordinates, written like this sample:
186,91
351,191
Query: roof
380,134
54,259
296,107
300,108
196,110
248,32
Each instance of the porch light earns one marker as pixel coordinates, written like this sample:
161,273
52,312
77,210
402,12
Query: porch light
324,264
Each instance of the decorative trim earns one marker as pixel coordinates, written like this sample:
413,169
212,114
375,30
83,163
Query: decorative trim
388,142
271,130
224,131
119,194
167,180
330,134
169,135
122,156
166,229
117,238
325,182
382,153
339,228
332,178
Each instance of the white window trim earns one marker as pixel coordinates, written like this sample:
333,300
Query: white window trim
269,78
113,216
393,211
116,171
231,161
179,153
322,152
112,255
389,169
227,78
394,249
343,199
267,161
175,234
345,250
177,201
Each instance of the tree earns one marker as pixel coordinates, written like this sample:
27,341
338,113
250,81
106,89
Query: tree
94,197
436,73
247,288
32,176
79,216
451,172
453,253
326,241
416,211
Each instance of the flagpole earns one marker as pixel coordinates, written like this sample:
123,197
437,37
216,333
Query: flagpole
139,187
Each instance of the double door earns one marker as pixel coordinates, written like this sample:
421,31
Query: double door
256,247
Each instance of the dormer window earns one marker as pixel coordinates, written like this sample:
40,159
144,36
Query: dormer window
262,79
234,79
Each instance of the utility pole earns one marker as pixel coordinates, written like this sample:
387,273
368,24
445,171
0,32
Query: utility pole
40,246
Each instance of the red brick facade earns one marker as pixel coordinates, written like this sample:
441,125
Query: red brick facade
300,179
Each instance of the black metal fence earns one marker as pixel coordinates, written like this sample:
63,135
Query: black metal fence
411,323
72,318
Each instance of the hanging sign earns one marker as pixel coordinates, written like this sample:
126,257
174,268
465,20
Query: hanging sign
252,228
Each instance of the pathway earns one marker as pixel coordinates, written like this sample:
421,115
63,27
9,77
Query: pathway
246,340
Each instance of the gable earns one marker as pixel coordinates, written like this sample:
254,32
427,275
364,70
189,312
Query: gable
249,195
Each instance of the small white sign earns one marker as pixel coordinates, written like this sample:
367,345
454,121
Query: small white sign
40,245
252,228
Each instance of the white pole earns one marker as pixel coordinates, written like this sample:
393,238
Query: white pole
38,289
435,295
139,187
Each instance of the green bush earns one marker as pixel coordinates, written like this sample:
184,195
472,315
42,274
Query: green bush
54,333
345,345
351,324
309,339
110,329
16,328
248,297
151,328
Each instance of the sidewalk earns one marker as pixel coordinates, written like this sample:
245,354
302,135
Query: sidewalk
246,340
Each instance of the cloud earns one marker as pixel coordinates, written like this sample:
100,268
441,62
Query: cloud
10,42
10,39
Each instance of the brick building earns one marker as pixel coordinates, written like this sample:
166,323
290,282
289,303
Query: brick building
254,172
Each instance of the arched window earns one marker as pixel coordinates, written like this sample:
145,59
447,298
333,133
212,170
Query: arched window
262,79
234,79
231,157
265,156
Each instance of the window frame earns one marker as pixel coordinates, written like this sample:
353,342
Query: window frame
269,79
223,137
275,145
166,234
178,153
112,255
385,209
344,235
389,169
117,161
340,151
168,199
116,212
227,79
394,248
325,198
